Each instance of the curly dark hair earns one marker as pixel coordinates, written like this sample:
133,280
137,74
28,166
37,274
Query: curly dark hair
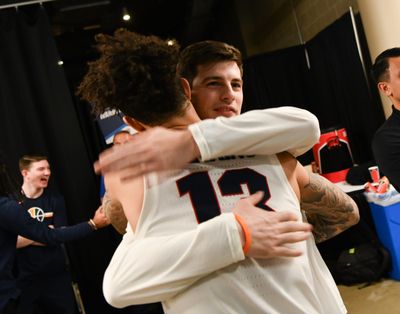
205,52
135,74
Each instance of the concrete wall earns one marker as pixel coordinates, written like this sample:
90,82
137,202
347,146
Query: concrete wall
269,25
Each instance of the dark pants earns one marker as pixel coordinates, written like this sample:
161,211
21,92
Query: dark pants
52,295
10,308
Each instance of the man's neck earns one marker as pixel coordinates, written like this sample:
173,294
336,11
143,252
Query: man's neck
31,191
188,117
396,105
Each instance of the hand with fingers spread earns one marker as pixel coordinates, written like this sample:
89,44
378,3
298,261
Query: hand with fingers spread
152,150
271,232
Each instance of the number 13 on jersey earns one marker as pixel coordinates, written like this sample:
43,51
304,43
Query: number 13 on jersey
202,191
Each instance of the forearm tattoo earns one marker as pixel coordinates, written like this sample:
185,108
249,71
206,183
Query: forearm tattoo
327,208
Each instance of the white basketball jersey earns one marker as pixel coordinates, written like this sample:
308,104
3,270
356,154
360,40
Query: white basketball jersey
179,201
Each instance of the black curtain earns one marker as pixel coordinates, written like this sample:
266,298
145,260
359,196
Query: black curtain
39,116
340,90
333,85
276,79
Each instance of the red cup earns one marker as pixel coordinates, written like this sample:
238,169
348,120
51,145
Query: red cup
374,172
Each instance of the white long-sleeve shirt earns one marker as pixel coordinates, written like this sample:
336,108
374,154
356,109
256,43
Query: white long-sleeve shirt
258,132
157,259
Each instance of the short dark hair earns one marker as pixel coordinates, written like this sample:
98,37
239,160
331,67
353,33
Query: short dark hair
206,52
26,161
379,71
135,74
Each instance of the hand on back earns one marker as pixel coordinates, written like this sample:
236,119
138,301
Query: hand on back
155,149
271,232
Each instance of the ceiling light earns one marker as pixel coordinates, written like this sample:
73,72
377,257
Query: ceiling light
170,42
125,14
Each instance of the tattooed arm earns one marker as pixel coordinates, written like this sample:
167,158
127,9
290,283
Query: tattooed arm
329,210
327,207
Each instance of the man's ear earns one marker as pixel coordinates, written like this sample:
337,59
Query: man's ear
186,87
385,88
24,172
134,123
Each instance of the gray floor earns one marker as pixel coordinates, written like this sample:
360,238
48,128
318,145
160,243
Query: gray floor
380,298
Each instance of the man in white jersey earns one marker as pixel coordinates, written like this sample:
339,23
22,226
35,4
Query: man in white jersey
214,72
166,205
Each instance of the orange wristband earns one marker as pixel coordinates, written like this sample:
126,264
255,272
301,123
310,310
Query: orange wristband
247,234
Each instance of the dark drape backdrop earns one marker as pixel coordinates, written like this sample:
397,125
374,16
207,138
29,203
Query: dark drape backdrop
340,91
334,87
276,79
39,116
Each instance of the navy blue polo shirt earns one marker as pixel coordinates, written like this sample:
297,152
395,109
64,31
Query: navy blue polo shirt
15,220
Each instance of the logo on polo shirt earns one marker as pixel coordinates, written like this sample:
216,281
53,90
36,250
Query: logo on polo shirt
39,214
